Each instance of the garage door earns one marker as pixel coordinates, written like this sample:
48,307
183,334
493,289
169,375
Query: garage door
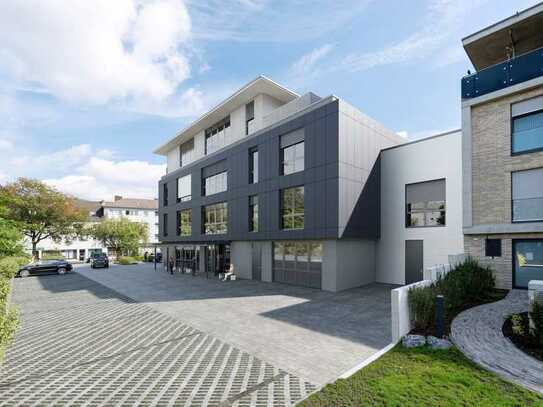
298,263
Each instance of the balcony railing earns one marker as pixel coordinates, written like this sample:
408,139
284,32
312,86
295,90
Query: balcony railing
500,76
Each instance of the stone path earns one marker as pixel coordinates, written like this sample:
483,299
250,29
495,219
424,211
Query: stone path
82,343
477,332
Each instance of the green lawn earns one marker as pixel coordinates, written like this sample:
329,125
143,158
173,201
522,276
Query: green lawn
416,377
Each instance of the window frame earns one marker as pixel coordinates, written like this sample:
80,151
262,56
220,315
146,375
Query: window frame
293,215
282,158
254,227
184,198
513,200
180,222
205,188
406,213
181,164
513,255
252,152
211,131
165,194
165,224
511,130
204,219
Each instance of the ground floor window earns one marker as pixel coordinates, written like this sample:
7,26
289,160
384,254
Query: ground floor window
298,263
70,254
528,261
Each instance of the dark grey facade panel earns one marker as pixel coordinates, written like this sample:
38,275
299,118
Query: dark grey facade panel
320,181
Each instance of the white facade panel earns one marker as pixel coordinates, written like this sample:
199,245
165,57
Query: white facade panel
435,158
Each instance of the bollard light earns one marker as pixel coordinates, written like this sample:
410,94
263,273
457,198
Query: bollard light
440,316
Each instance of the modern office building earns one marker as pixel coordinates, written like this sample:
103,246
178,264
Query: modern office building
290,189
502,132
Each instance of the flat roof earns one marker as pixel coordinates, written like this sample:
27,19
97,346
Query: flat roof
488,46
423,139
259,85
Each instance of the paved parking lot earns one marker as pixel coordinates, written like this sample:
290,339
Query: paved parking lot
134,336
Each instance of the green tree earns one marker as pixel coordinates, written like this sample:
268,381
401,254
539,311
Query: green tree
41,211
11,237
122,235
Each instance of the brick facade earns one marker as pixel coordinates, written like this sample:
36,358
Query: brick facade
492,165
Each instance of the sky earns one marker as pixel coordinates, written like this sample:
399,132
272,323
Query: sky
88,89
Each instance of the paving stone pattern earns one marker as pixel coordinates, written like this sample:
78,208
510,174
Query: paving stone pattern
83,344
477,332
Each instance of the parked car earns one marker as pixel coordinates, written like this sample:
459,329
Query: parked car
93,255
45,266
101,260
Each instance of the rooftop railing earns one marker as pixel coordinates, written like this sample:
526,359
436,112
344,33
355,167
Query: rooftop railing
500,76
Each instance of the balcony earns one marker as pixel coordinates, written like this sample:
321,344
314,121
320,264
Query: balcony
500,76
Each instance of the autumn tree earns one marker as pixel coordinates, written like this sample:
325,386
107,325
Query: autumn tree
122,235
41,211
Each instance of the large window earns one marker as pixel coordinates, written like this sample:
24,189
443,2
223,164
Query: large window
425,204
249,117
292,158
527,195
165,224
186,154
253,213
215,219
528,258
184,222
298,262
215,184
527,132
292,208
165,194
216,135
184,186
253,165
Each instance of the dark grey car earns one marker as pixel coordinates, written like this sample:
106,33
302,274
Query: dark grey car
57,266
99,261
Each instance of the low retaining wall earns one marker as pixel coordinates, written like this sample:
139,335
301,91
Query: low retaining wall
400,315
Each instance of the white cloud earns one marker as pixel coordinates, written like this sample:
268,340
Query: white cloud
307,62
437,36
5,145
271,21
403,133
132,52
85,172
102,179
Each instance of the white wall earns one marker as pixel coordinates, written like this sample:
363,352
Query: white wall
347,264
147,216
241,258
172,160
264,105
431,159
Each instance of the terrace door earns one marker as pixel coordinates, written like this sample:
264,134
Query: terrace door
414,261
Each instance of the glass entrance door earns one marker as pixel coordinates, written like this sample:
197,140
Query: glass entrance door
217,258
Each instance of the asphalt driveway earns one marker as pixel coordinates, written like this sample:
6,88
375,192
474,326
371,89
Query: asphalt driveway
134,336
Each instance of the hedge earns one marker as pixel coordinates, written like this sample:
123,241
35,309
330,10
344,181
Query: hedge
468,284
8,314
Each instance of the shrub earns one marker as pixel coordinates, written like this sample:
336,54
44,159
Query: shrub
9,267
125,260
8,324
536,316
467,284
422,307
517,325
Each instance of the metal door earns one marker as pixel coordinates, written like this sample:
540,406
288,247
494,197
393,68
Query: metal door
414,261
